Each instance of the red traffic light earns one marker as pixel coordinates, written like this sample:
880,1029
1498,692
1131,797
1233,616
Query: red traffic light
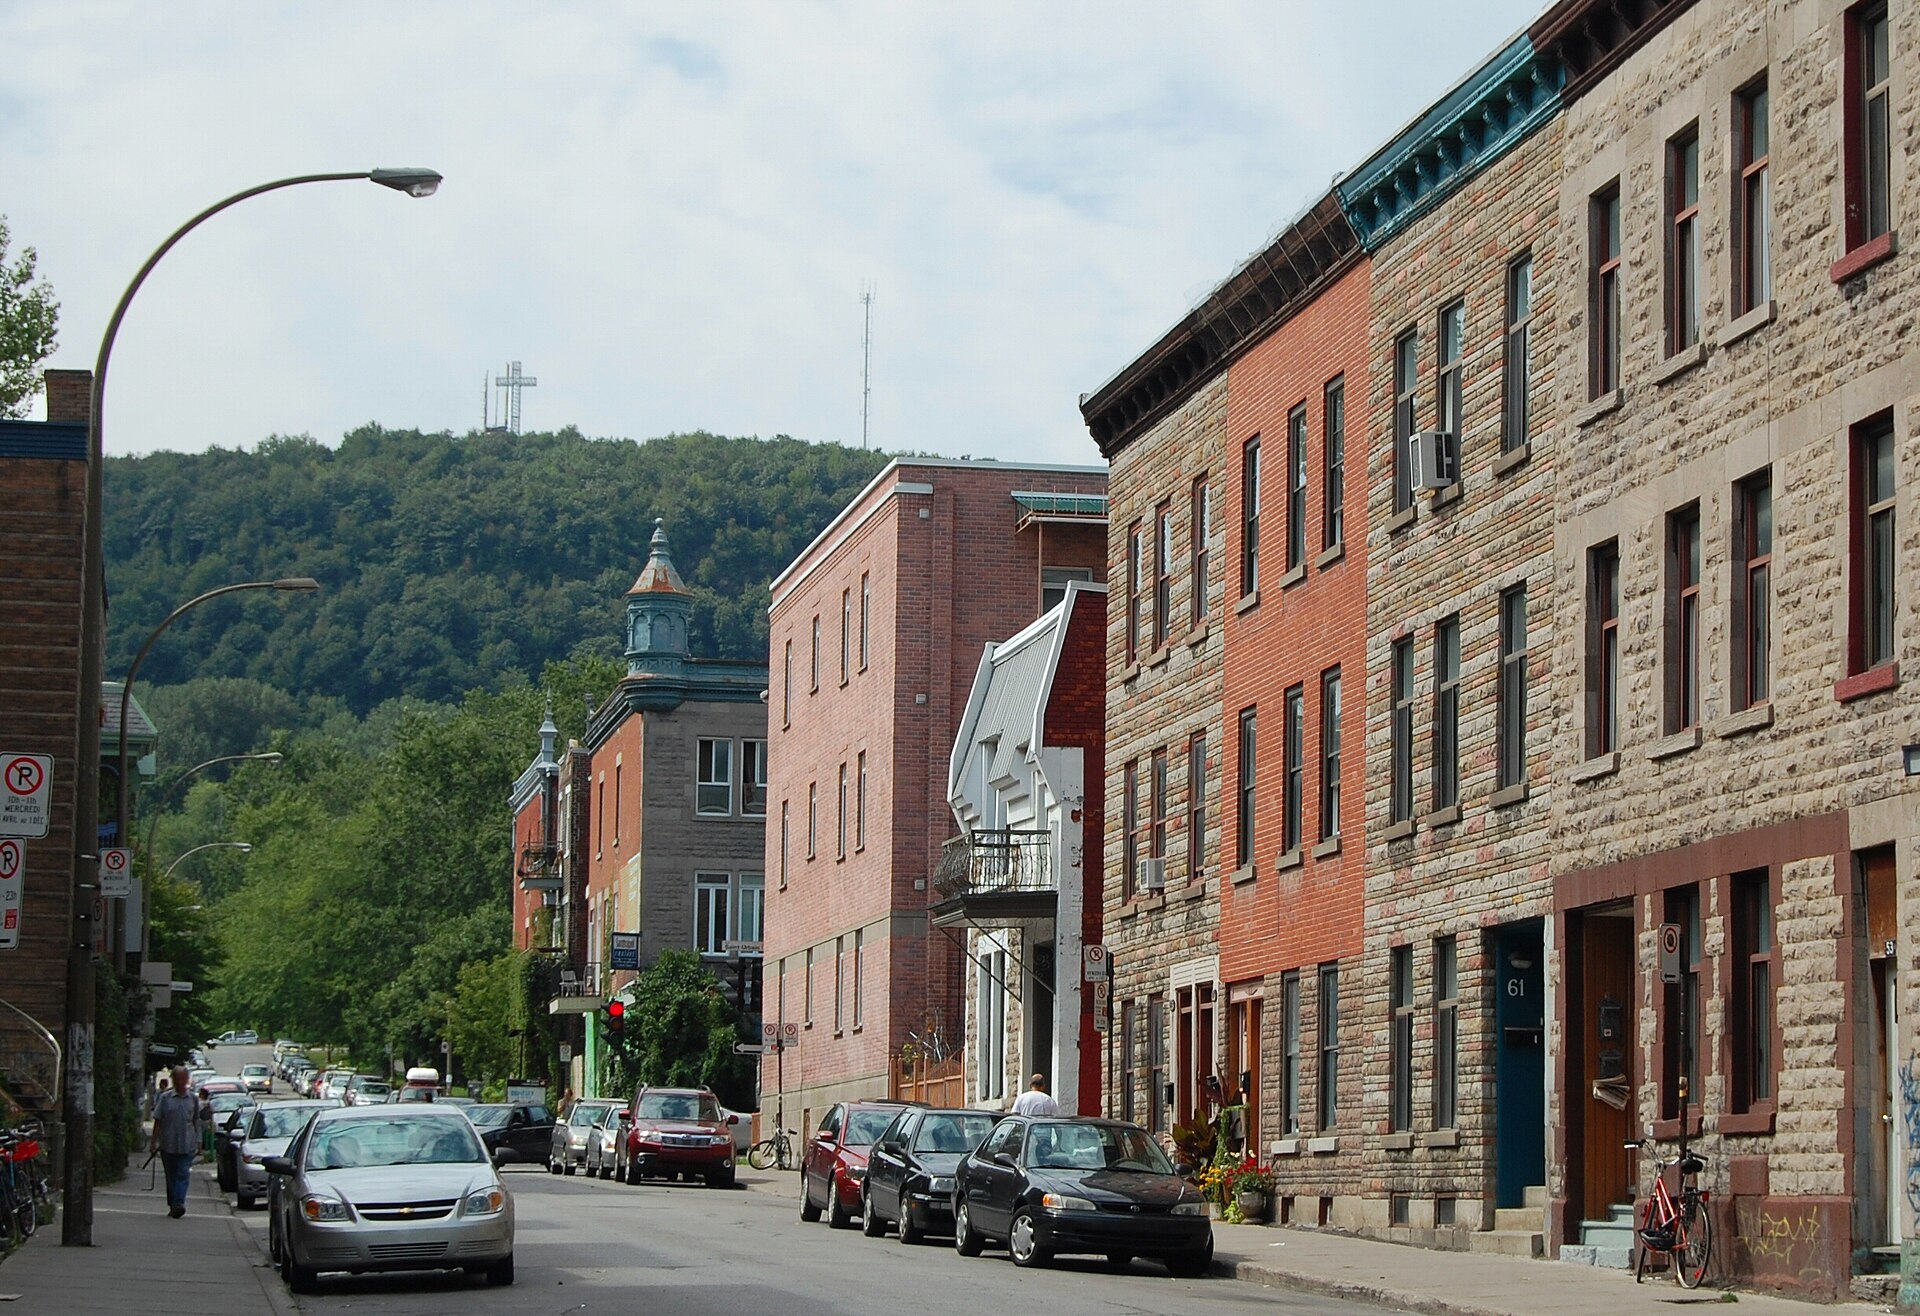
616,1009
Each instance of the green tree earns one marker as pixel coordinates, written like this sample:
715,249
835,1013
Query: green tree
682,1031
29,317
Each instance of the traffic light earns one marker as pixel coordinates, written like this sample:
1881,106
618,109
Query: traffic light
616,1018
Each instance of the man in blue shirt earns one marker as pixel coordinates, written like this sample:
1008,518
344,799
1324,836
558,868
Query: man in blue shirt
177,1119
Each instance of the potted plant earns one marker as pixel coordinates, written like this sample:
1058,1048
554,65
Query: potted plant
1251,1185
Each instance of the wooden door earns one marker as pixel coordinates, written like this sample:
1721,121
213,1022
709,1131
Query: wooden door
1608,1059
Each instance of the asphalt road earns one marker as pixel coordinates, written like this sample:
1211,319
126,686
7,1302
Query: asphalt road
582,1245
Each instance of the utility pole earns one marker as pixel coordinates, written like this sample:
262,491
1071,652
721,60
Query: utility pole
866,363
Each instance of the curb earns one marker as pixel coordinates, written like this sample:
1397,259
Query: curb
264,1275
1379,1295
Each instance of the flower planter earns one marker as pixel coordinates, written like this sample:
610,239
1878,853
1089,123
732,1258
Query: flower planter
1253,1206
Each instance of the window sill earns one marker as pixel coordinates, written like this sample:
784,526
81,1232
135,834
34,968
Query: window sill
1441,1138
858,1029
839,1032
1322,1146
1680,362
1507,796
1191,891
1870,682
1755,1121
1247,603
1401,520
1286,1147
1683,741
1130,672
1669,1129
1757,319
1747,719
1288,859
1601,765
1396,1142
1244,874
1146,904
1399,831
1198,635
1330,555
1159,657
1327,849
1445,496
1594,410
1441,817
807,1024
1864,257
1513,459
1294,577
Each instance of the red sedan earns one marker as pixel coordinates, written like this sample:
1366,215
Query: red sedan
836,1159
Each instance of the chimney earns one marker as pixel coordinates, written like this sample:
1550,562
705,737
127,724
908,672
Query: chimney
69,395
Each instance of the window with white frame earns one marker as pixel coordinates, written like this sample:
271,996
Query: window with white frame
750,921
990,1020
710,912
714,795
753,777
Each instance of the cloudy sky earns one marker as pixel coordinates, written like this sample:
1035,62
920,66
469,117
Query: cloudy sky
668,212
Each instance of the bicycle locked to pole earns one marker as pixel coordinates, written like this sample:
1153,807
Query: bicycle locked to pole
1678,1228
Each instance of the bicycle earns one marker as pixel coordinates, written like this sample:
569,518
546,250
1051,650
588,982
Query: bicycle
776,1149
23,1184
1680,1228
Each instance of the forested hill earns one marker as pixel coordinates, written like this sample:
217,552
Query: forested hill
449,563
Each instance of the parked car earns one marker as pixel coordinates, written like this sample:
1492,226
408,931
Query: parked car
258,1078
228,1108
389,1187
1048,1186
674,1131
513,1131
910,1170
262,1132
603,1141
365,1090
239,1037
741,1122
330,1079
567,1151
835,1161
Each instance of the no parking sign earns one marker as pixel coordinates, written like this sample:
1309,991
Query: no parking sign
116,874
13,868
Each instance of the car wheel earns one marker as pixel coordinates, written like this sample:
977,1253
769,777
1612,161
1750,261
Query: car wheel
965,1241
870,1222
606,1171
909,1232
299,1278
1118,1261
1192,1265
273,1240
808,1211
568,1167
553,1166
244,1200
1023,1240
838,1217
633,1175
720,1179
500,1273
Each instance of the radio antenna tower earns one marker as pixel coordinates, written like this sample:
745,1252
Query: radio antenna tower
866,362
512,382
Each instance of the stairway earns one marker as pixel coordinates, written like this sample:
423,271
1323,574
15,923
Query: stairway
1517,1230
1607,1242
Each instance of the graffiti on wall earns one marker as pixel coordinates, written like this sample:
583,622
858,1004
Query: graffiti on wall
1910,1128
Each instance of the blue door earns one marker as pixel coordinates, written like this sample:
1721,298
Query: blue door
1520,1063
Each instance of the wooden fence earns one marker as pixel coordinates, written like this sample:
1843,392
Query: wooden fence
939,1083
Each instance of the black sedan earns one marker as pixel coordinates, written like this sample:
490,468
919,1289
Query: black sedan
517,1131
910,1170
1048,1186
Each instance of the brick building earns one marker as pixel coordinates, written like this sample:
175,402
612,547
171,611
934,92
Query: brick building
538,831
1731,555
875,632
677,773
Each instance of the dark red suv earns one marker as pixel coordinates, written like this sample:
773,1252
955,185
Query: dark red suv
836,1159
669,1131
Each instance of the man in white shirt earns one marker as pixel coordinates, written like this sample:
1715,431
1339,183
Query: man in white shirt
1035,1101
179,1119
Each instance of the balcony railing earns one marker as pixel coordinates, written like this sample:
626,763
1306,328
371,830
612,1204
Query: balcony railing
588,979
995,863
539,867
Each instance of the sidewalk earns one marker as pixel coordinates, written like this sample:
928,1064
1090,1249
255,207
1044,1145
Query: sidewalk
142,1261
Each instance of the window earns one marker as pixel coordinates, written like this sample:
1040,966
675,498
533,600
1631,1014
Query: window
1129,1046
1134,568
617,793
1400,1038
859,957
1448,417
750,921
1297,487
1250,517
1752,205
840,823
1157,805
1333,455
786,684
1873,545
860,802
1291,793
1289,1054
1200,519
1400,806
846,635
1517,384
1156,1064
1162,573
1603,648
600,818
1869,126
1130,826
807,992
1446,1031
1680,1029
1329,1105
1054,582
1406,378
1512,694
1753,590
1603,319
1446,714
786,836
814,675
1197,804
839,984
866,616
813,818
710,912
1752,1023
1683,241
990,1015
1683,619
753,777
714,793
1243,818
1330,753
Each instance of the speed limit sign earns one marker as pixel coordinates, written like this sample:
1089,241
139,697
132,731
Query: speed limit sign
116,873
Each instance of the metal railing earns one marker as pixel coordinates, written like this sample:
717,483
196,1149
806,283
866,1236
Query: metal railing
995,863
539,867
589,979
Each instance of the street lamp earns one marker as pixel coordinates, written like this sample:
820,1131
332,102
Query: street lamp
76,1220
242,846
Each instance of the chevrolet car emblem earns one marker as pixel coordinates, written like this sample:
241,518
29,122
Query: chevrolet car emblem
406,1210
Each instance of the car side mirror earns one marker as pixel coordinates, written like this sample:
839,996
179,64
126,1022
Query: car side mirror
1003,1158
278,1165
626,1117
495,1154
732,1120
1182,1169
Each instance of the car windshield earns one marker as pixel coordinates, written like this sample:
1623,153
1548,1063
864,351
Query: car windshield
1093,1147
865,1126
952,1133
280,1121
359,1143
487,1117
678,1106
229,1101
374,1089
254,1071
585,1116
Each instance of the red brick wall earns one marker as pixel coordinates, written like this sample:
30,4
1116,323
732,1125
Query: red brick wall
529,830
613,848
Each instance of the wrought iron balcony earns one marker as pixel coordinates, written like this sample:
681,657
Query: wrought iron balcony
993,877
539,867
588,979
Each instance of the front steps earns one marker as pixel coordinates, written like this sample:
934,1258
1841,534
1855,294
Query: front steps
1516,1230
1607,1243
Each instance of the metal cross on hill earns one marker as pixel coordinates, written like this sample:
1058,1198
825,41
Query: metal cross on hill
513,381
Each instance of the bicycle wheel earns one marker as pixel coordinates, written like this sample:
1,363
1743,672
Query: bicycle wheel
1695,1248
760,1155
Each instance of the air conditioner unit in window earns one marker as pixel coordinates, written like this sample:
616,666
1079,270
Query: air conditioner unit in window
1153,874
1432,460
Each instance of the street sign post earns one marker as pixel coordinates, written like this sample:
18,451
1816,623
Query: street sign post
13,869
1095,967
625,950
741,947
749,1049
116,873
26,794
1669,952
1101,997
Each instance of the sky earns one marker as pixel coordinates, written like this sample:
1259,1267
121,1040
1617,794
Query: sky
668,212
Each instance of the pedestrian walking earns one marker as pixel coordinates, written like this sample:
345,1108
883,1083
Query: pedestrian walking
178,1117
1035,1100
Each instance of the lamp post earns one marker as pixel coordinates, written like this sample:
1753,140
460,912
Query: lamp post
76,1217
242,846
153,825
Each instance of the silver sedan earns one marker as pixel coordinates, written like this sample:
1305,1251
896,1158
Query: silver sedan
389,1187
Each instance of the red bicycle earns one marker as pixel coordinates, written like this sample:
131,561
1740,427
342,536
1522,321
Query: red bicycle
1680,1228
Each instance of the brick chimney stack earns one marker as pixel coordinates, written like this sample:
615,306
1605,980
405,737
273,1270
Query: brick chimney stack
69,395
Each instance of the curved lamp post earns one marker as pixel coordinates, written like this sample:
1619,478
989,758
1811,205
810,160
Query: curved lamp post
76,1221
241,846
270,756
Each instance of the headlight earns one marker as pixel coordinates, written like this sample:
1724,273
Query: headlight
1188,1208
856,1172
487,1202
940,1187
1066,1202
721,1139
323,1208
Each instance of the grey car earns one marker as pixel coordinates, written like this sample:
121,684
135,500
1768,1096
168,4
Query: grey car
389,1187
262,1132
569,1150
603,1142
